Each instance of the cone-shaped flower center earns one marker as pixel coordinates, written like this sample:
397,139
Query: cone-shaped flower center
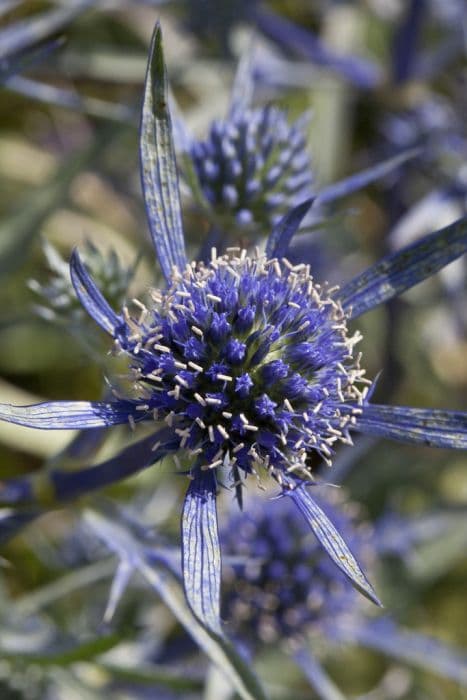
250,361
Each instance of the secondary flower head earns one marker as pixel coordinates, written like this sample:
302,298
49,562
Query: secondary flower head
254,166
280,587
243,363
287,585
58,298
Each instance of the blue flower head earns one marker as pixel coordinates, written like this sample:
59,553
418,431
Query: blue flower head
243,363
254,166
280,587
263,390
287,585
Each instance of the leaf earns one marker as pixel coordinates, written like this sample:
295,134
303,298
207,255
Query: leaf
34,602
68,415
158,166
26,33
402,270
220,650
201,557
216,686
158,569
323,686
359,71
91,297
422,426
332,541
406,646
63,656
283,232
152,674
60,485
360,180
241,95
68,99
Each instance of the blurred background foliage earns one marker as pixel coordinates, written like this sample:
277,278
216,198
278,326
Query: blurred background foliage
69,112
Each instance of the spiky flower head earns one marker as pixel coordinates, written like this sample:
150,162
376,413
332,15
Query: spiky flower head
254,166
287,585
251,362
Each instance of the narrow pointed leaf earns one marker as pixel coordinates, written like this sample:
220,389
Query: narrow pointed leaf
356,182
281,235
356,70
221,652
402,270
405,45
319,680
69,99
11,66
201,557
424,426
91,297
63,653
132,459
119,584
158,166
59,485
76,580
29,32
68,415
408,647
332,541
428,544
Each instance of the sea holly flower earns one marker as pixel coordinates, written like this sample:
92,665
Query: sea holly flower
282,583
282,589
243,364
253,166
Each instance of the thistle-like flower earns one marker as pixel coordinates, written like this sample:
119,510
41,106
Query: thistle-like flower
253,167
283,589
244,363
287,586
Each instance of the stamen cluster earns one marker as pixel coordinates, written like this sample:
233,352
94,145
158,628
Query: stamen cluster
250,362
254,167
